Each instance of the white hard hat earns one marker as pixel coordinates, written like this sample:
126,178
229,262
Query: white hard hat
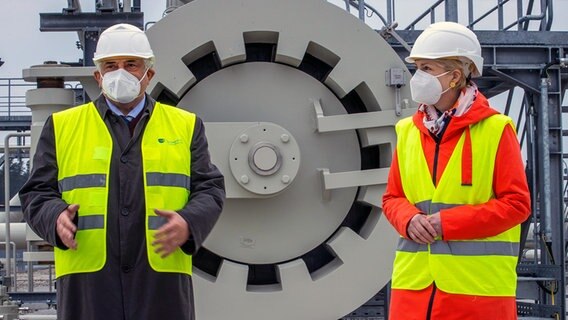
123,40
448,39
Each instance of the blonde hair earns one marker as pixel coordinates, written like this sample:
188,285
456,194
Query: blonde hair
463,64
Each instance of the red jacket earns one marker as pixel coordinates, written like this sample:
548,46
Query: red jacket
511,205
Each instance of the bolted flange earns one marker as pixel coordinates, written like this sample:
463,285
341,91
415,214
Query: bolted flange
267,160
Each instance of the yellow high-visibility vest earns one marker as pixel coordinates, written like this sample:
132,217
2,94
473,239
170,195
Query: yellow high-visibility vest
84,146
484,267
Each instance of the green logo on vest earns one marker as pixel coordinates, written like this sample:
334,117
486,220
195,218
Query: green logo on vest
170,142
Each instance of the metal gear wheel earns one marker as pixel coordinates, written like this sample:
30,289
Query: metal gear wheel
301,123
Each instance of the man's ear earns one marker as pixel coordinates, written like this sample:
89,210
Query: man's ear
150,74
98,77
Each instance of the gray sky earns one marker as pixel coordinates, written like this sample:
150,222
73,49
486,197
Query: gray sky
23,45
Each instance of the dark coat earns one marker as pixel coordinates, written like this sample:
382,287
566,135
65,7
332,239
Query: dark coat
126,288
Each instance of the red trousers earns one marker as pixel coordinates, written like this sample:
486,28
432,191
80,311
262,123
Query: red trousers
413,305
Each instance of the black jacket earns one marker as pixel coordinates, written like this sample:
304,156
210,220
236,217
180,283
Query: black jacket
126,288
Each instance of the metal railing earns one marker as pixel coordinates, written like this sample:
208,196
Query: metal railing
13,98
447,10
7,211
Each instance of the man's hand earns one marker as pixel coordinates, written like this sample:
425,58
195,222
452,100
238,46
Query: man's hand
421,230
172,234
66,228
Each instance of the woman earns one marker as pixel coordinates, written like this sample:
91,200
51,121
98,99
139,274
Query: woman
457,191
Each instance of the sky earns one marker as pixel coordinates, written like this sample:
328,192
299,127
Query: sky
23,45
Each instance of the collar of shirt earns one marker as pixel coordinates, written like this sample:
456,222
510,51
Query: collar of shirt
132,114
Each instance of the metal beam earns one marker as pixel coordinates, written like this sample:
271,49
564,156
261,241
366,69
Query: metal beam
87,20
88,26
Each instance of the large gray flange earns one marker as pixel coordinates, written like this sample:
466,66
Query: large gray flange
313,75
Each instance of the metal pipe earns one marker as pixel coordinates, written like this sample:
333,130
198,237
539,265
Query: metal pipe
470,13
500,14
519,13
126,6
390,11
452,10
14,257
50,279
362,10
15,271
37,317
544,158
7,201
550,17
30,271
526,20
17,234
543,21
531,155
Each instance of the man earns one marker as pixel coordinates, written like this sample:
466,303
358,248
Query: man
125,191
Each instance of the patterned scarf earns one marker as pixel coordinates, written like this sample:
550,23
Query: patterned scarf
436,122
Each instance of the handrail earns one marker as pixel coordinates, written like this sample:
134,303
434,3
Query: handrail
13,98
7,200
545,16
429,11
499,5
366,6
14,272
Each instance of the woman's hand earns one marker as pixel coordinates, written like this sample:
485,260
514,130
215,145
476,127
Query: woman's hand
421,230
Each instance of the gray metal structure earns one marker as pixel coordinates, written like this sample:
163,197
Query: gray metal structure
89,25
300,119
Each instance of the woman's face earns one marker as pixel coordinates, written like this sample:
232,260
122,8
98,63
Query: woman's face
448,80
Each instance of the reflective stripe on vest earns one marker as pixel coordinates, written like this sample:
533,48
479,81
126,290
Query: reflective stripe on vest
82,181
483,267
168,180
463,248
84,151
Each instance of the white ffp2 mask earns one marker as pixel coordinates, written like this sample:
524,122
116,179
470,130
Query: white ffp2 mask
426,88
121,86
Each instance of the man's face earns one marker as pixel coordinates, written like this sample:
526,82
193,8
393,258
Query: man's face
133,65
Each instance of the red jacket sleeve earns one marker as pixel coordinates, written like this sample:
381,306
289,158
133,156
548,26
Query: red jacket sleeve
510,207
396,207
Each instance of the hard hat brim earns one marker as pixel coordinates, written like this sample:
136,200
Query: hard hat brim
478,63
126,55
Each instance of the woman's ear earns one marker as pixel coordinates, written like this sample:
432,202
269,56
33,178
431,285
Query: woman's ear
457,76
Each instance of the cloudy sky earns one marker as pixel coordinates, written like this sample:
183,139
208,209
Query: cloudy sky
23,45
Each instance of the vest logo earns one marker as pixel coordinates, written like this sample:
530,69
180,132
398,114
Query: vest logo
170,142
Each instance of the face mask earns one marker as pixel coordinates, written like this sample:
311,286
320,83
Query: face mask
121,86
426,88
